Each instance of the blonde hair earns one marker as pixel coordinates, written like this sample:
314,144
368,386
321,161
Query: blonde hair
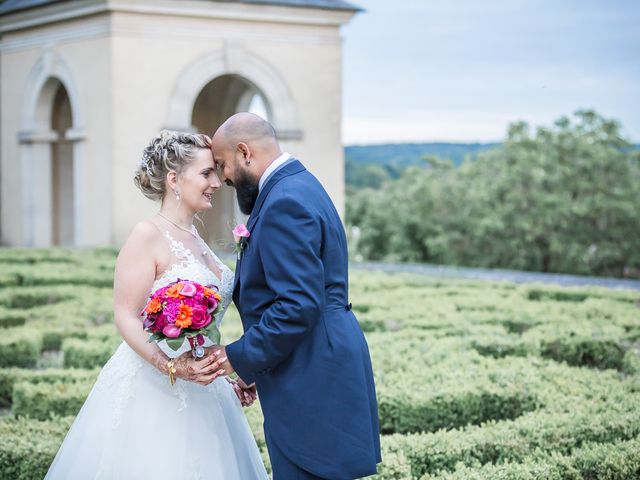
166,151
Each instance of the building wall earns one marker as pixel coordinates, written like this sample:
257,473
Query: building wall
138,70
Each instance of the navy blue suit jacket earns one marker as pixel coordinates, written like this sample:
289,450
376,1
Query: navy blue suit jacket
302,343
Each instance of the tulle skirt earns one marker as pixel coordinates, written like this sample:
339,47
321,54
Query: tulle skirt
134,425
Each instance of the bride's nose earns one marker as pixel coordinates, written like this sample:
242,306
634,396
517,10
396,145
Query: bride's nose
215,181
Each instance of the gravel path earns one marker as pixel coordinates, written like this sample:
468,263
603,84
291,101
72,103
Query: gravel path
497,275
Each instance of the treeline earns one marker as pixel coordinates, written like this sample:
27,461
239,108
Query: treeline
372,165
560,199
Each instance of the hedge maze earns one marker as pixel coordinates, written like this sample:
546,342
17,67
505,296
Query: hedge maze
475,380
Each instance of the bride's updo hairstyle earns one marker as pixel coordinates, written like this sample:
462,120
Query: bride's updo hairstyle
167,151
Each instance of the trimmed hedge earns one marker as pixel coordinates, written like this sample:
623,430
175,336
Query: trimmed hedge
27,447
41,400
19,348
401,412
589,352
10,376
608,461
513,440
12,318
485,371
80,353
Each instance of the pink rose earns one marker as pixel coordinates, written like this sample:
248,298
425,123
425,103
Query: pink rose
171,330
188,290
200,318
240,231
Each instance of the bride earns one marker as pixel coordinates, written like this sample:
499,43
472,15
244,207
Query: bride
134,423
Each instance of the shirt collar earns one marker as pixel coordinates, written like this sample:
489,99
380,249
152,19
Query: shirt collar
277,163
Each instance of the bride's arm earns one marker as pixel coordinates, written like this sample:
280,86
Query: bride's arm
134,276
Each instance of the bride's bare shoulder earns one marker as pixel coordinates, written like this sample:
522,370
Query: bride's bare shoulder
144,234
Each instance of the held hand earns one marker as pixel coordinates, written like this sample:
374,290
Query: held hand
249,391
222,353
245,397
203,371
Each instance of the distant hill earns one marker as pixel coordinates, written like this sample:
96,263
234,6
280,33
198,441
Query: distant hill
406,154
372,165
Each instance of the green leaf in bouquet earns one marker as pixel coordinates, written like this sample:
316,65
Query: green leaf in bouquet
213,333
175,343
155,337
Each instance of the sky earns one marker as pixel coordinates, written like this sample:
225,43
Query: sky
461,71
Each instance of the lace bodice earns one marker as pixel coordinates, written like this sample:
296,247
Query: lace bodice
189,268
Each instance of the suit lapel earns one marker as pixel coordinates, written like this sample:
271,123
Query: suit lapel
291,167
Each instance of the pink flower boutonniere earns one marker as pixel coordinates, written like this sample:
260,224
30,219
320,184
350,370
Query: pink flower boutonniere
240,234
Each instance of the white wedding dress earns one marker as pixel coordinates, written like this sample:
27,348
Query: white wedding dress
135,425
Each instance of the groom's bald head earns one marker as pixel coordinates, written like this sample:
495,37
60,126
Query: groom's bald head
243,148
247,128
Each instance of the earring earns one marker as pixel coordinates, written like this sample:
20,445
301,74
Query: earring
177,195
248,162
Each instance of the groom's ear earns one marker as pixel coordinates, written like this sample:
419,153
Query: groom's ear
244,150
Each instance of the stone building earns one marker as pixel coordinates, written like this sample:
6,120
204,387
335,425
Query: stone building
86,83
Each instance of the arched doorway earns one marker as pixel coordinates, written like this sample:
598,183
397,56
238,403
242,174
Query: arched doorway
50,149
217,101
48,169
62,168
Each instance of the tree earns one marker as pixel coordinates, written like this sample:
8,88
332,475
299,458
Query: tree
562,199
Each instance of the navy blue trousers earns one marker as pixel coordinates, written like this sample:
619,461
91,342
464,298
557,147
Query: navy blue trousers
283,468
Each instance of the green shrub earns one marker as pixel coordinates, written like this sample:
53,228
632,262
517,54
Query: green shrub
19,348
27,447
41,400
25,299
401,412
559,294
631,362
609,461
617,461
501,348
80,353
588,352
514,440
10,376
12,318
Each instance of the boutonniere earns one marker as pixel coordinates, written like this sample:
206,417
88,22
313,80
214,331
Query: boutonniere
240,234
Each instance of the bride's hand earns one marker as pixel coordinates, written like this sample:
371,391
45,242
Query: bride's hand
203,371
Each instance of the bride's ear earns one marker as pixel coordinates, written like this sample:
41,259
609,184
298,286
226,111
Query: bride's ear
172,180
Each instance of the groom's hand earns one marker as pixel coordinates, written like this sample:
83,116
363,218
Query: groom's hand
249,391
244,394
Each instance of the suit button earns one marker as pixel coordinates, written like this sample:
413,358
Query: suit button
348,307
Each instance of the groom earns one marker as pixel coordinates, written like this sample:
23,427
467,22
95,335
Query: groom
302,344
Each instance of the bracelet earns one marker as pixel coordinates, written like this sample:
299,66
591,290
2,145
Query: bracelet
172,372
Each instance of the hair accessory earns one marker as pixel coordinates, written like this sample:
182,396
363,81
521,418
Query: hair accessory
146,163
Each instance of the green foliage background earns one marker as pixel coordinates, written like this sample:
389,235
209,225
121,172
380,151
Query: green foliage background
560,199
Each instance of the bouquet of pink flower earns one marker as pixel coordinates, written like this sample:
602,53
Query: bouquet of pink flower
183,309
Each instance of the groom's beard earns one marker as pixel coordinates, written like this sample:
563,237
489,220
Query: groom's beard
247,190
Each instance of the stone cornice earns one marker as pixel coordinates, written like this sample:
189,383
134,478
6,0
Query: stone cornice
65,11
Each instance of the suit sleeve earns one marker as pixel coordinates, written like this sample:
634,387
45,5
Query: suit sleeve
290,253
